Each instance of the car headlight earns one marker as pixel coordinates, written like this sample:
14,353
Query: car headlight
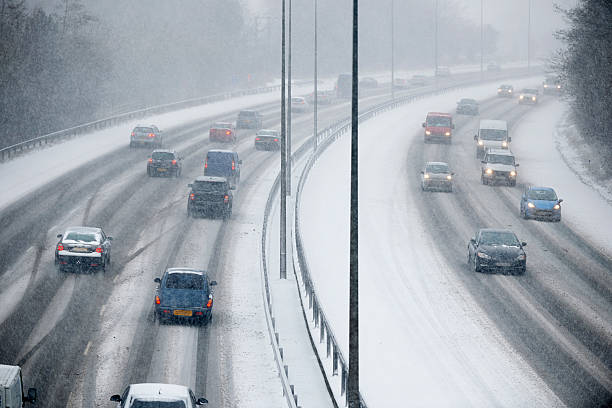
489,171
557,207
558,86
427,132
447,134
509,90
545,86
449,177
531,205
521,257
521,97
513,173
533,98
482,255
499,90
505,144
480,143
426,176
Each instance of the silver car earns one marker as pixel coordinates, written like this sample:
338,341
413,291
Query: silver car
437,176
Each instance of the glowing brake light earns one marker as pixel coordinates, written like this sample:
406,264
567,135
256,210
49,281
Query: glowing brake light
192,196
133,133
174,162
233,165
151,135
209,303
206,164
151,160
257,138
226,199
99,250
227,132
276,140
157,300
60,247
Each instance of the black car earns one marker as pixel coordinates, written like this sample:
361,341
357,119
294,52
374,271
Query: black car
267,139
496,249
223,163
467,106
210,195
249,119
164,162
83,247
184,294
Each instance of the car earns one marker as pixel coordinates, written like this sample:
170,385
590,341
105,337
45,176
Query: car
222,132
164,162
299,104
505,91
438,127
210,195
368,82
493,67
498,165
83,247
223,163
157,395
267,139
146,136
184,294
541,203
552,85
325,97
418,80
467,106
344,86
496,249
442,71
249,119
492,133
400,83
528,96
437,176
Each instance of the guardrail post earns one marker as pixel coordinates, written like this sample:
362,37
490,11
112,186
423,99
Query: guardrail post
328,344
335,360
322,332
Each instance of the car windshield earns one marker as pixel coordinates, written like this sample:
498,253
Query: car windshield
297,100
81,237
138,403
500,159
505,87
530,91
436,168
143,130
440,121
506,238
492,134
209,187
162,156
185,281
546,195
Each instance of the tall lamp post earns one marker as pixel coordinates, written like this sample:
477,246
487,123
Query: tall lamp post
481,39
392,49
288,190
529,36
283,179
316,95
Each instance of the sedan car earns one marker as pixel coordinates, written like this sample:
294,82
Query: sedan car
155,395
496,249
437,176
164,162
505,91
528,96
83,247
267,139
541,203
147,135
467,106
299,104
184,294
222,132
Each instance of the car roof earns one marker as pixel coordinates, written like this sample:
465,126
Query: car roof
222,123
529,90
186,270
436,164
220,151
163,151
501,152
211,179
247,111
493,124
496,230
91,230
467,100
159,390
438,114
143,125
506,86
542,188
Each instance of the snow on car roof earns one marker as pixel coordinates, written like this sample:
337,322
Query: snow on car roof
501,152
91,230
221,151
493,124
186,270
216,179
438,114
436,164
157,390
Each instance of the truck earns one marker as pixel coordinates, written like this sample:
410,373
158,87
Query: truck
11,388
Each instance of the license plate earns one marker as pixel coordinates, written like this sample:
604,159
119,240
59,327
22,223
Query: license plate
80,250
503,264
161,169
183,312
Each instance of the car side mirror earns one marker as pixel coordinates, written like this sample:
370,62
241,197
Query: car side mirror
213,283
424,124
109,238
483,161
516,165
115,398
232,187
523,243
189,185
473,240
475,137
31,395
239,161
59,235
509,139
559,201
201,401
453,126
422,172
157,280
452,174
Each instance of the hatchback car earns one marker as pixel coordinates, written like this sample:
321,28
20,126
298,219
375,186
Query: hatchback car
541,203
496,249
164,162
184,294
467,106
155,395
505,91
83,247
498,165
222,132
267,139
437,176
249,119
146,136
210,195
528,96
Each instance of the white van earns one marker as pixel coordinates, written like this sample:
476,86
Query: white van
491,134
11,388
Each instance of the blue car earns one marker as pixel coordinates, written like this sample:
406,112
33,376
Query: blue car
184,294
541,203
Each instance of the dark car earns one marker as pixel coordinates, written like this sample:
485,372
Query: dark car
210,195
83,247
223,163
368,82
164,162
146,136
496,249
552,85
249,119
184,294
506,91
267,139
467,106
541,203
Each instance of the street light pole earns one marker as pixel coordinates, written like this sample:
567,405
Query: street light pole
436,44
529,37
316,94
283,179
288,191
392,49
481,39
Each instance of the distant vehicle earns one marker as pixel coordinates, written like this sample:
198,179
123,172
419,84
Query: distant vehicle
497,249
146,136
249,119
528,96
326,97
493,67
491,134
443,71
400,83
210,196
299,104
438,127
467,106
223,163
11,388
184,294
222,132
552,85
505,91
344,86
418,80
437,176
157,396
267,139
368,82
498,165
164,162
86,247
540,203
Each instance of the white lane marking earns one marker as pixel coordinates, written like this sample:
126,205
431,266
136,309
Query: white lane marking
87,348
115,278
102,310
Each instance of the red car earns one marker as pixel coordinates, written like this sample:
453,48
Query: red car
438,127
222,132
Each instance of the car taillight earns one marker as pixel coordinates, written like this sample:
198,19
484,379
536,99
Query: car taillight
174,162
150,160
133,133
209,303
157,300
151,135
206,164
192,196
233,165
60,247
276,140
210,132
226,199
99,250
257,138
227,132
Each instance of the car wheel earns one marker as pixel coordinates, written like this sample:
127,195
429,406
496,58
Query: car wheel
131,144
149,172
475,266
512,183
450,189
483,180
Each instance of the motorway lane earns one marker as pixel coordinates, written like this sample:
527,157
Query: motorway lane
558,315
